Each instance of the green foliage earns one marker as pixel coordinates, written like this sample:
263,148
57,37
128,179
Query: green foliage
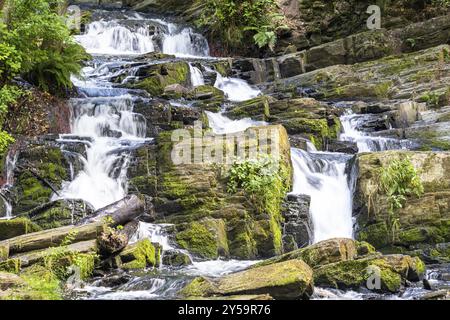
237,21
262,180
35,34
398,181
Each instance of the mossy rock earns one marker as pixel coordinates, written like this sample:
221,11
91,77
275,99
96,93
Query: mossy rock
140,255
16,227
159,76
38,283
206,238
176,258
392,271
286,280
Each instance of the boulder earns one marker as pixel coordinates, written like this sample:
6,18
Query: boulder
391,272
176,258
321,253
194,196
139,255
424,221
286,280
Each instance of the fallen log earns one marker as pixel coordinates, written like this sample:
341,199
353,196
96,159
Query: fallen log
29,258
50,238
121,212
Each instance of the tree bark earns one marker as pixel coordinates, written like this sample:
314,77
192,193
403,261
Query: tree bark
121,212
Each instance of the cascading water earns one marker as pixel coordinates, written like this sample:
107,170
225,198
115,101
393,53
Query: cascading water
365,142
324,178
10,165
235,89
196,76
111,38
110,125
220,124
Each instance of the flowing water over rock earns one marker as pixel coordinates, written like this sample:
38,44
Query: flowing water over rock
104,121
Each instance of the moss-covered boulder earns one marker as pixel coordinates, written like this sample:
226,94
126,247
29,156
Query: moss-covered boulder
378,273
321,253
139,255
16,227
195,196
36,283
155,78
40,170
302,117
286,280
207,98
423,222
176,258
206,238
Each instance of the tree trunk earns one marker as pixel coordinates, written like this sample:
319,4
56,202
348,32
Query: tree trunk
121,212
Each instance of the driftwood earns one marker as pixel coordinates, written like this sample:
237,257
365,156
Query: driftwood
121,212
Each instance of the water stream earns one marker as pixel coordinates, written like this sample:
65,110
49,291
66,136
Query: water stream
104,122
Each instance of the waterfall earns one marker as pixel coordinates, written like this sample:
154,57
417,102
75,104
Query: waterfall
196,76
223,125
10,165
118,37
111,38
111,126
323,177
364,142
235,89
185,43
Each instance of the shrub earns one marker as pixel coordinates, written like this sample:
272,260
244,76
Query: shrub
236,22
398,181
44,52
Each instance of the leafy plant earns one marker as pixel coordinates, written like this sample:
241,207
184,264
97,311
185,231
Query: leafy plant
398,181
262,180
236,22
35,34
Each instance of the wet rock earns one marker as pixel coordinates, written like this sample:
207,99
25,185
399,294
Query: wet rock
185,194
9,280
342,147
176,258
156,77
297,224
286,280
424,221
386,273
319,254
139,256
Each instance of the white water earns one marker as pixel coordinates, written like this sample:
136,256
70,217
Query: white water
114,38
236,90
196,76
331,196
111,38
10,165
364,142
103,179
220,124
154,232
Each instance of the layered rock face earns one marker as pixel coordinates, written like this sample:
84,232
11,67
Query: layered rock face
210,222
424,222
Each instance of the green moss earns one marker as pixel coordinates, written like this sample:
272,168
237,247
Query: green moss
40,284
198,239
199,287
162,76
86,263
355,273
16,227
420,235
10,265
382,89
375,234
139,256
